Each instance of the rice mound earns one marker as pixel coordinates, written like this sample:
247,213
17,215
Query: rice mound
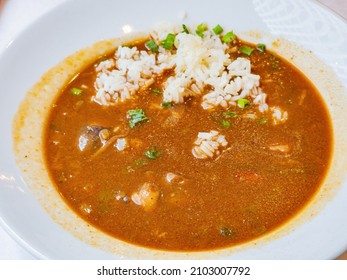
202,67
197,61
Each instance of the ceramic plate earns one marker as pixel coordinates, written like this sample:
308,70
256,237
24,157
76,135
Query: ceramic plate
78,24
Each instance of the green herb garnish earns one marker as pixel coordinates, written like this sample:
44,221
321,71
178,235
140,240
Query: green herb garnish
243,103
152,153
261,47
246,50
168,43
156,91
218,29
225,124
76,91
151,45
229,37
228,115
223,119
167,104
202,27
262,120
185,29
136,116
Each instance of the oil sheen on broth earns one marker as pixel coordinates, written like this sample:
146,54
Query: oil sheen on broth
141,182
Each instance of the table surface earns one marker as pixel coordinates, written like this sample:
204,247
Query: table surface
15,15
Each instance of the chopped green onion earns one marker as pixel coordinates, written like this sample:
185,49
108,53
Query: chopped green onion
262,120
168,43
152,153
218,29
185,29
76,91
156,91
261,47
151,45
243,103
228,115
136,116
167,104
225,124
202,27
246,50
229,37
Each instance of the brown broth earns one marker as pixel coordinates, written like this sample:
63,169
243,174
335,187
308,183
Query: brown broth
245,193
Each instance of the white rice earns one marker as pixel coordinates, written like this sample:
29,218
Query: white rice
208,144
105,65
278,115
132,70
197,62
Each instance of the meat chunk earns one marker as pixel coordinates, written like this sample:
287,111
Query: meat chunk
173,178
90,139
147,196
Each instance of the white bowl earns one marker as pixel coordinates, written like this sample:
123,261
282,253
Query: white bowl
60,234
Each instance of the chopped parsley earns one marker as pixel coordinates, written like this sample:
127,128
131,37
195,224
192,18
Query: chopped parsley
156,91
76,91
225,124
167,104
223,119
136,116
152,153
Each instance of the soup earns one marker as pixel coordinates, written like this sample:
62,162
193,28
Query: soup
188,140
